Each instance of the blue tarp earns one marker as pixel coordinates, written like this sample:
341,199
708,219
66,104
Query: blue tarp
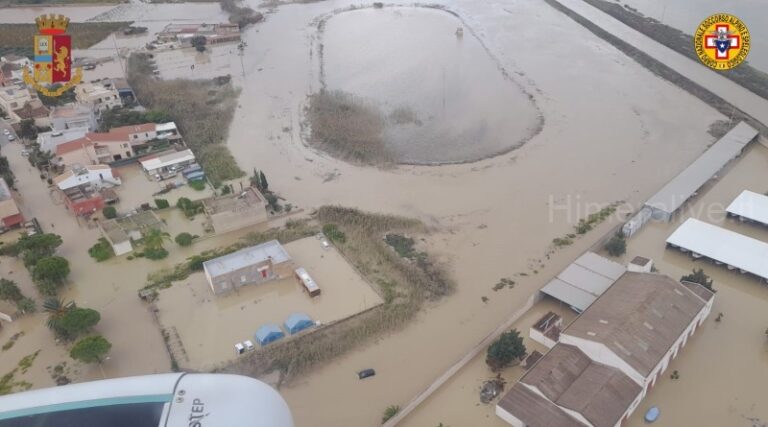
268,333
195,176
192,168
297,322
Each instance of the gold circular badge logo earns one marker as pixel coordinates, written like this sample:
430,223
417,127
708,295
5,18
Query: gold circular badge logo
721,41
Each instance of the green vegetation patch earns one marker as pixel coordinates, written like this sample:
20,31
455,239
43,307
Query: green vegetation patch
17,38
348,127
202,109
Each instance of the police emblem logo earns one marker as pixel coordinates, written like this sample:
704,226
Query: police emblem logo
722,41
52,72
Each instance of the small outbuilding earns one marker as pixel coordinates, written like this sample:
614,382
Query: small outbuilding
307,282
268,333
297,322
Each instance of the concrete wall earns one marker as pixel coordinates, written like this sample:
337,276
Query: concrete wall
249,275
224,222
541,338
509,418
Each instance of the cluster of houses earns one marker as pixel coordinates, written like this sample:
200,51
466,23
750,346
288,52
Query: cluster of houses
181,35
82,158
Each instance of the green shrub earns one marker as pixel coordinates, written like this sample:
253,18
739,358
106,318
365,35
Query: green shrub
162,203
197,185
155,253
332,232
505,350
617,246
184,239
390,412
101,251
109,212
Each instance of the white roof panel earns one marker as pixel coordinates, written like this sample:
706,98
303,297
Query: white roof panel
601,265
584,279
683,186
750,205
245,257
167,160
568,294
719,244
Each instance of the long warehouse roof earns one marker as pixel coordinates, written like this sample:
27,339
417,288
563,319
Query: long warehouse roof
734,249
682,187
750,205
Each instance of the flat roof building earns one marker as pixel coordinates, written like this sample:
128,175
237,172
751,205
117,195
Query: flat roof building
256,264
750,206
684,186
610,357
735,250
10,216
236,211
120,231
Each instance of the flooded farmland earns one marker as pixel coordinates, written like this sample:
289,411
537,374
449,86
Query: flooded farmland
446,98
209,325
493,216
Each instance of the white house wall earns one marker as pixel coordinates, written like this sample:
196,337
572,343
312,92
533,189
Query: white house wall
509,418
541,338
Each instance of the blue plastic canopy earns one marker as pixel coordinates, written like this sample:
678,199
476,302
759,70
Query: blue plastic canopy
297,322
268,333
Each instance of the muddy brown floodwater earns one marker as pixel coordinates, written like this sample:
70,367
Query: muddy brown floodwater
614,131
457,104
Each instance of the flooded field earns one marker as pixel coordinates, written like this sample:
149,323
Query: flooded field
494,213
210,325
446,98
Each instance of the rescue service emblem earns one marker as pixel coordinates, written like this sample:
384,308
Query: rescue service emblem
722,41
52,72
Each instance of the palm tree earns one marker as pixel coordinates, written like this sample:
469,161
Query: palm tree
56,309
153,239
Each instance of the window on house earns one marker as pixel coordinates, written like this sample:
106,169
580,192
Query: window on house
242,278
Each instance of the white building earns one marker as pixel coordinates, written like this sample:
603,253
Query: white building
98,97
158,163
14,97
611,356
96,176
72,116
48,141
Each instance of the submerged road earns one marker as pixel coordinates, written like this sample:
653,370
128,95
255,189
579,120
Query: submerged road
735,94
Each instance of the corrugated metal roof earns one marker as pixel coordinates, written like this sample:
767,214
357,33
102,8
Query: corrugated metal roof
750,205
584,280
169,159
534,410
568,294
245,257
568,378
620,317
601,265
683,186
719,244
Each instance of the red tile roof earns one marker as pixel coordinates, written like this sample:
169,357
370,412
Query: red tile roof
73,145
118,135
